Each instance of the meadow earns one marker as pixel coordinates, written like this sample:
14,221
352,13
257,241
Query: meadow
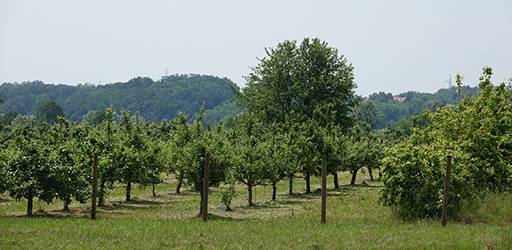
356,220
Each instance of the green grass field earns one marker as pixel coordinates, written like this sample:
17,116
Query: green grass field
356,220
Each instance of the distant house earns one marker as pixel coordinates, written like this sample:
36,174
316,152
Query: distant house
399,98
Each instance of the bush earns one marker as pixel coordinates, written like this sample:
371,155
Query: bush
413,177
476,132
227,195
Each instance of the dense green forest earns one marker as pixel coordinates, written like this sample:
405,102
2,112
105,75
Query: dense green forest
155,100
391,110
162,99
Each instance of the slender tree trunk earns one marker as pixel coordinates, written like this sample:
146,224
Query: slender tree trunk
370,172
128,190
30,205
336,181
66,204
290,185
324,192
101,194
154,191
201,203
354,175
178,185
274,191
94,185
249,190
308,183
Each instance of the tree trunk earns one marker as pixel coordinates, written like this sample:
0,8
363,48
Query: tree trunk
308,183
66,204
249,189
201,203
128,190
274,191
354,175
154,192
290,185
178,185
370,172
336,182
101,194
30,205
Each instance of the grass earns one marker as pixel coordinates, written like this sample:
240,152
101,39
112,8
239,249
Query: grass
355,221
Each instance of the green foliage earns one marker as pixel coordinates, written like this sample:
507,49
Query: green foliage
156,100
476,132
49,112
227,194
390,111
301,82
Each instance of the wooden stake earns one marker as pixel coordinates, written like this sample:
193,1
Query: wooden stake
324,191
446,189
94,185
205,187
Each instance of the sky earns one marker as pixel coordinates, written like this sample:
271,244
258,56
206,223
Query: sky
394,46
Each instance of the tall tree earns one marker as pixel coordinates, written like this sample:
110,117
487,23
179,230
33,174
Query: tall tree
49,111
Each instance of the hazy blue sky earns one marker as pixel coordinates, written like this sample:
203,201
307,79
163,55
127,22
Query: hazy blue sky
393,45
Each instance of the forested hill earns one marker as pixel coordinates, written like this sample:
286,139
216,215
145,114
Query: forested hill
162,99
391,108
155,100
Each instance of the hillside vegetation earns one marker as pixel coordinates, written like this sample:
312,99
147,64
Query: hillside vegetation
155,100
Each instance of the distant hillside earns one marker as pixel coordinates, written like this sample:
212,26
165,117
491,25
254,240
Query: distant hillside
162,99
392,108
155,100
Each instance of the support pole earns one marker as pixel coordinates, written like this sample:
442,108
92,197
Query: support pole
324,191
94,185
205,187
446,189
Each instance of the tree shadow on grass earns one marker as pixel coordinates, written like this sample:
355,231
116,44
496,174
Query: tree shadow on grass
52,214
2,200
215,217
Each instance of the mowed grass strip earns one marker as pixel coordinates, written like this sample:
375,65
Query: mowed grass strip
355,221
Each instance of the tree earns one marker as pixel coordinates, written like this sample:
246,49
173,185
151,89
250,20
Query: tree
310,83
29,172
249,167
181,136
95,117
49,111
129,155
108,149
70,176
206,148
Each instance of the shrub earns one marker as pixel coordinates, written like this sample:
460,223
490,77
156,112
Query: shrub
227,195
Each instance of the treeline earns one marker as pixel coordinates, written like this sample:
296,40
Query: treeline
155,100
163,99
405,105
